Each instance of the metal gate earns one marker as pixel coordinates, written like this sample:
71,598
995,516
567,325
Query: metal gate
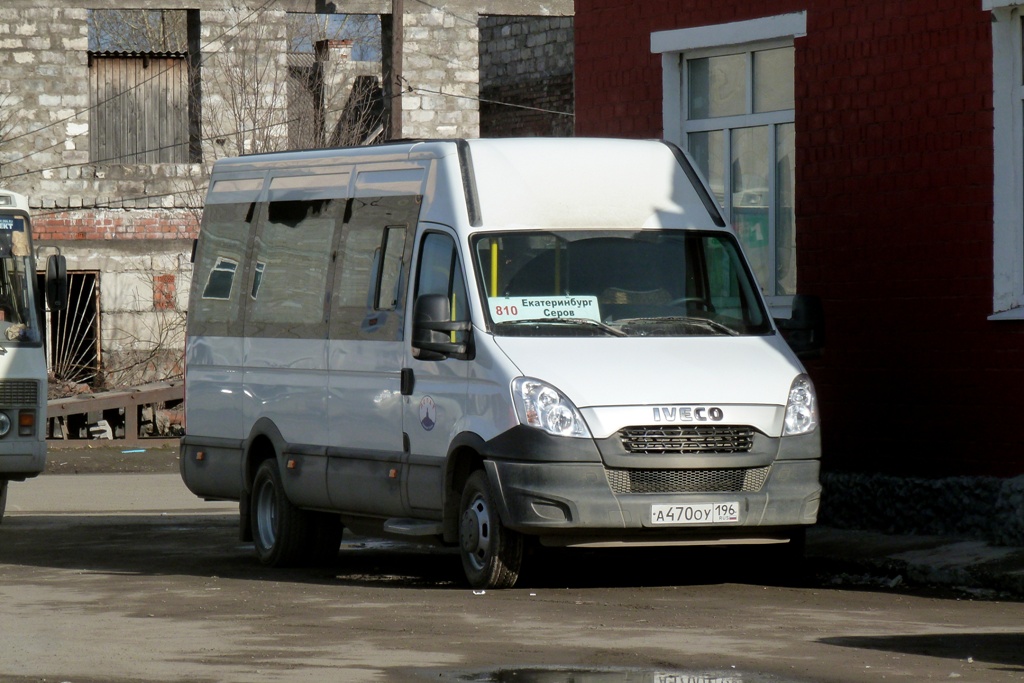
73,335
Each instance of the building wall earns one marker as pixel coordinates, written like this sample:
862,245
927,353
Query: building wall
526,76
894,187
133,223
441,67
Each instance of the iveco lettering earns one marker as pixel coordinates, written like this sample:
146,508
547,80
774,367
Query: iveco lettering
491,344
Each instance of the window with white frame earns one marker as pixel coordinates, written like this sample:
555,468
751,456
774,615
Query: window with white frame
1008,157
729,101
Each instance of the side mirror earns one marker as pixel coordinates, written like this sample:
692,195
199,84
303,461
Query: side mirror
804,331
432,328
56,282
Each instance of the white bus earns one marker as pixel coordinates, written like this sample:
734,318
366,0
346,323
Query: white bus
22,355
489,343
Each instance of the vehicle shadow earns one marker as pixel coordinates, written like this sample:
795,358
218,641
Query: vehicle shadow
205,545
1006,649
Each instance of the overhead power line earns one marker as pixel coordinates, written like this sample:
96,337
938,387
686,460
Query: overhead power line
406,86
420,89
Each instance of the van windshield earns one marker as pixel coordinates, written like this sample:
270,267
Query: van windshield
636,283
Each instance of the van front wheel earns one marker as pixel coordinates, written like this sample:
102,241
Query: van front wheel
278,527
492,555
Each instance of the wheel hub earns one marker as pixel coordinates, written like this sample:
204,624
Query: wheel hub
266,516
474,532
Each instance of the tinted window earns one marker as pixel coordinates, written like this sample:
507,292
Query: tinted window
292,253
214,307
373,266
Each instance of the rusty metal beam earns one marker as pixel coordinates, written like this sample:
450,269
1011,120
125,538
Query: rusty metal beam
127,400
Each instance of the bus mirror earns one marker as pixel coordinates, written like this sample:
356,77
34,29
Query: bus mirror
432,329
56,282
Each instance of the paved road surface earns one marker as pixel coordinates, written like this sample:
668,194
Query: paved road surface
119,578
107,494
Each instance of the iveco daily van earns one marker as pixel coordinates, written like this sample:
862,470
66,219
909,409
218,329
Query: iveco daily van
488,343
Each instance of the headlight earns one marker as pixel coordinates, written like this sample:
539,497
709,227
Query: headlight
802,408
5,424
540,405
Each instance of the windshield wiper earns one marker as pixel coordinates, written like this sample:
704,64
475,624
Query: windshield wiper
706,323
604,327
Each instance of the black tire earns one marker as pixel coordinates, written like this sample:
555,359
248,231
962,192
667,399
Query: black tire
3,499
492,555
280,531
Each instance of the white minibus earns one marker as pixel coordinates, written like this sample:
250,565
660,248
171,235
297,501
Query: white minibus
490,344
22,355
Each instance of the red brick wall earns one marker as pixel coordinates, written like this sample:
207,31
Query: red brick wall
894,214
95,224
165,292
618,80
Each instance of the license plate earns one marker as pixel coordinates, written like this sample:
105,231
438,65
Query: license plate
702,513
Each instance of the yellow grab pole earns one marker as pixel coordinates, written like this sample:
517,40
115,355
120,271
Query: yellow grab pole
494,267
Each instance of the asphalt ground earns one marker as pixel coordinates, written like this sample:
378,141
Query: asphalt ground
848,557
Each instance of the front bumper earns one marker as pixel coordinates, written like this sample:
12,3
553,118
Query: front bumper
21,459
573,502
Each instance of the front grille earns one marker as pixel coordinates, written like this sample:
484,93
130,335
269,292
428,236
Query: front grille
18,392
748,479
687,439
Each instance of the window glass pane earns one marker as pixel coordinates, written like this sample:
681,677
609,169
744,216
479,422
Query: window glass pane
785,213
372,268
617,282
224,236
294,249
436,261
773,79
440,272
750,197
356,267
18,319
391,268
707,149
730,289
717,86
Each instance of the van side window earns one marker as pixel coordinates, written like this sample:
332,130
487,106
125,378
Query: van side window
391,252
440,272
215,306
292,253
372,268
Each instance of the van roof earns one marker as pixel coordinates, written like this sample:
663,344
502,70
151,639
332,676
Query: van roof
550,182
582,182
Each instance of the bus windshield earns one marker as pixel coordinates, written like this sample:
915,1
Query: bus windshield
19,321
669,283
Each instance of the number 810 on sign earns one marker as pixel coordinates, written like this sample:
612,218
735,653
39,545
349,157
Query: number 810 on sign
703,513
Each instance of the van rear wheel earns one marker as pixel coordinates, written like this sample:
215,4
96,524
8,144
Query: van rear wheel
279,529
492,555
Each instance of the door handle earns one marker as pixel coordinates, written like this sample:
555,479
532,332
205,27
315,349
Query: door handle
408,381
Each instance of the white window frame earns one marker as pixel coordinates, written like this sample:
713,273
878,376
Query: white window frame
1008,159
678,45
